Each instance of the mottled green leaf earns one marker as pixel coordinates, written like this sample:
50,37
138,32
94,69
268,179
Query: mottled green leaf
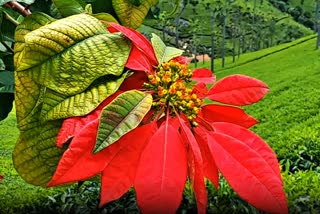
35,155
121,116
132,12
163,53
69,54
68,7
57,106
54,61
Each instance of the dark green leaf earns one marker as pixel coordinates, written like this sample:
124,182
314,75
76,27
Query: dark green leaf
68,7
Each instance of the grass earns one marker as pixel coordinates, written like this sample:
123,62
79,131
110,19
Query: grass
15,193
289,121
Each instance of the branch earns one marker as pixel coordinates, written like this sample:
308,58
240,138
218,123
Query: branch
7,47
18,7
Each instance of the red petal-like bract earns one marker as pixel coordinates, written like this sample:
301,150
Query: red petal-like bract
78,162
138,61
138,40
248,173
230,114
210,169
181,59
73,125
252,140
119,174
1,177
196,173
200,90
238,90
162,172
135,81
203,75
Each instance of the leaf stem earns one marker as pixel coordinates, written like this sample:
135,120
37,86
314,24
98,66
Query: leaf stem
10,19
18,7
7,47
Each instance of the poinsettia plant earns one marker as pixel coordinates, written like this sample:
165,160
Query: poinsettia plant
97,98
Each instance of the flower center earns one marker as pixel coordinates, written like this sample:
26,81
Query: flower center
171,87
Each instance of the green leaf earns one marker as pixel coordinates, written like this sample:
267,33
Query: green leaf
68,7
69,54
2,2
121,116
105,17
164,53
35,155
6,78
57,106
132,12
6,82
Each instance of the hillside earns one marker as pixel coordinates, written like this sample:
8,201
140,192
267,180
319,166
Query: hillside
252,27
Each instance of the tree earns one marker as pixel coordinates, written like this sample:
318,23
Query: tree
317,22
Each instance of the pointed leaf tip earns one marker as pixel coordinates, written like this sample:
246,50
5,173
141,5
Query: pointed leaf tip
248,173
119,174
122,115
203,75
238,90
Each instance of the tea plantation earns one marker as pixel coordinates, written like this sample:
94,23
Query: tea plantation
289,121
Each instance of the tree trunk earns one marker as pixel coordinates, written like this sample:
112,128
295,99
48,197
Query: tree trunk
223,50
212,42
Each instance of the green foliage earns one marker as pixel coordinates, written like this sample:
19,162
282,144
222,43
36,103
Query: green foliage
303,191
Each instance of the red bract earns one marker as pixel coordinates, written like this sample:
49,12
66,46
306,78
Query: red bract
180,137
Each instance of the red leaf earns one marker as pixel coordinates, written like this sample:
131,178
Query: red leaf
210,169
135,81
138,61
1,177
230,114
248,173
119,174
78,162
238,90
203,75
196,168
162,172
73,125
138,40
253,141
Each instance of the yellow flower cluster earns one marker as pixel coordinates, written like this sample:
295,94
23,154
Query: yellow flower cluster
169,84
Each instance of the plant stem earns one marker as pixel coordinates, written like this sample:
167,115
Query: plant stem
10,19
7,47
18,7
